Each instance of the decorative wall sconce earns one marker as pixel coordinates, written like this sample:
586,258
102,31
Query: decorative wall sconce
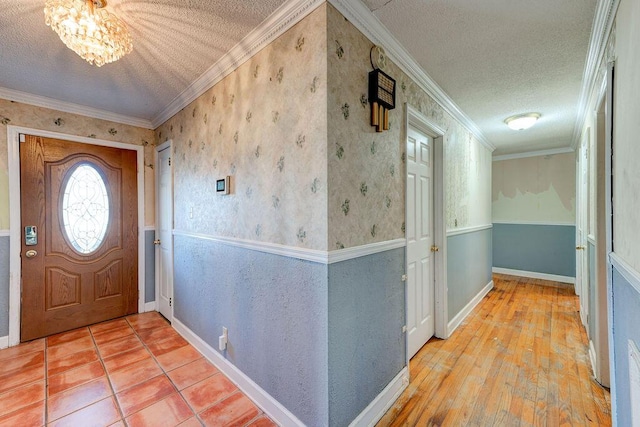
382,91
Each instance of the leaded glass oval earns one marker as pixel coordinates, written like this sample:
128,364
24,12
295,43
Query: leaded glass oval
85,208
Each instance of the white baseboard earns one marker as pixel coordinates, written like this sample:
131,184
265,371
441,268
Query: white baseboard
4,342
535,275
459,318
592,358
381,404
264,400
150,306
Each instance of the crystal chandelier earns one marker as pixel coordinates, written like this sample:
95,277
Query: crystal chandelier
88,29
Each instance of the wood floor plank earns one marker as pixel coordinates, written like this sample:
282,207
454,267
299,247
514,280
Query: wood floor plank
520,358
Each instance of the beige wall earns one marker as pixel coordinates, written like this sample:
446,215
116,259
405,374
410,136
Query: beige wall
265,126
539,189
18,114
366,174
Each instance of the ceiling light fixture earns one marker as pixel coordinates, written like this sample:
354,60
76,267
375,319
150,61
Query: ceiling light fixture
522,121
88,29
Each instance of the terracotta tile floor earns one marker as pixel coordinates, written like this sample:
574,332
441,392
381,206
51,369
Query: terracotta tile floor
134,371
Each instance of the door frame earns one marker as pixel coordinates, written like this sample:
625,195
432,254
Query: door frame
582,224
15,239
417,120
165,145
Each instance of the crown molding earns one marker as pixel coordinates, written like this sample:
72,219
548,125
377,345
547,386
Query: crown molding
551,152
69,107
285,17
367,23
602,23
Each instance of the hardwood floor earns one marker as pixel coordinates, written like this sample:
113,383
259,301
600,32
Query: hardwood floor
521,358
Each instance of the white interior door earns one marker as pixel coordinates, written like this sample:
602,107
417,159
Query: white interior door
582,262
164,237
419,231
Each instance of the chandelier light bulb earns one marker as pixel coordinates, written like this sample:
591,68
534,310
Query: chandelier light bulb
89,30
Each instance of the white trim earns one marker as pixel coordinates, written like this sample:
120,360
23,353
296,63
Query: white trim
367,23
381,404
364,250
149,228
69,107
285,17
274,409
467,230
150,306
270,248
15,274
539,153
417,120
602,23
608,217
459,318
314,255
591,239
558,223
592,357
5,233
4,342
631,275
535,275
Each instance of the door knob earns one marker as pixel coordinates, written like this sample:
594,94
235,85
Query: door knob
31,253
580,248
434,248
156,242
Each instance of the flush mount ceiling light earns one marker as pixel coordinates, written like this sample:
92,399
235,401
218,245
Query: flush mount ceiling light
522,121
86,28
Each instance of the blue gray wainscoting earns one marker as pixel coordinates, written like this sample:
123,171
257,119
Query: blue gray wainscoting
468,268
548,249
149,266
4,286
275,309
626,319
367,347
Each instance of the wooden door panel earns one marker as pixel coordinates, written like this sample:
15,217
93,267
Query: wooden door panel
108,281
57,243
64,287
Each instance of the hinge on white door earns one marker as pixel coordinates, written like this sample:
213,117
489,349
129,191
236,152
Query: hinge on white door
22,137
169,302
169,161
404,277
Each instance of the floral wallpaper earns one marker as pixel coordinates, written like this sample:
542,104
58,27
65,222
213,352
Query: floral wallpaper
19,114
366,184
265,126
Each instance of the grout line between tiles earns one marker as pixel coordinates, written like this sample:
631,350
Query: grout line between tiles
113,392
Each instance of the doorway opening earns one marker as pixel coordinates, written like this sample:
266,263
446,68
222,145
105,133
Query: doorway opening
425,232
164,230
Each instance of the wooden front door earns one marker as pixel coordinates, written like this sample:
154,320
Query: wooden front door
80,262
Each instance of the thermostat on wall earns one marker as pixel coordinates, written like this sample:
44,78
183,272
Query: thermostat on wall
222,185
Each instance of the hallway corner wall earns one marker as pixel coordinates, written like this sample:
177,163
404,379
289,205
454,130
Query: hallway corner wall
625,258
534,212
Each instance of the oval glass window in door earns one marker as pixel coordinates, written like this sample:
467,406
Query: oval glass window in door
85,208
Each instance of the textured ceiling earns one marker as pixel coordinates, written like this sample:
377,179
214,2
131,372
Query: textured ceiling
175,41
497,58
